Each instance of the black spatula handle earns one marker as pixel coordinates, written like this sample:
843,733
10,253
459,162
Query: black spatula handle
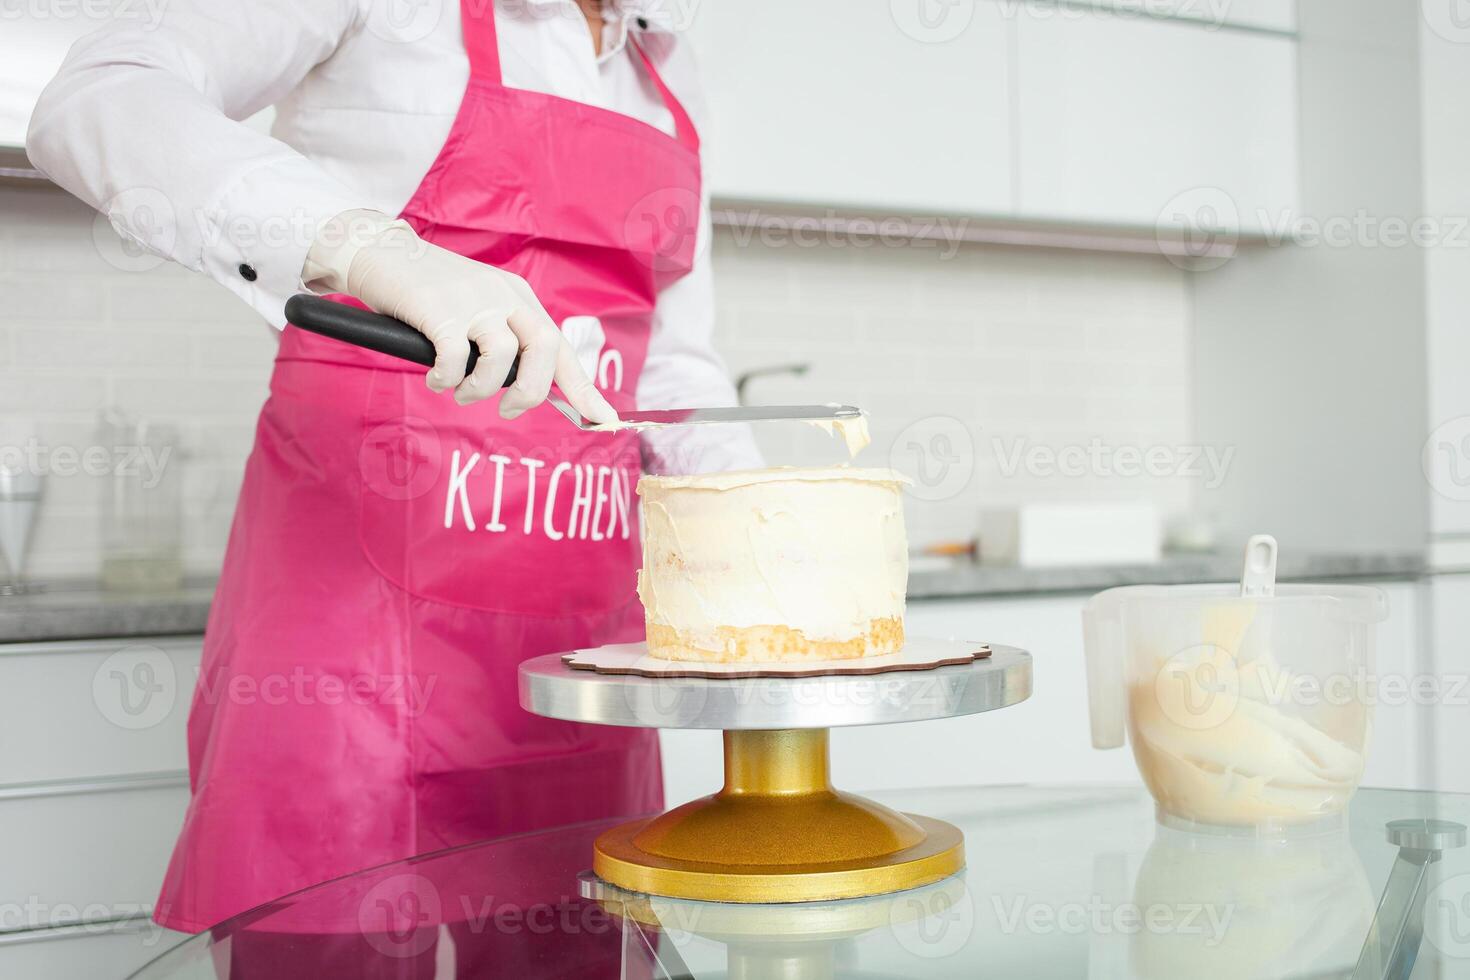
373,331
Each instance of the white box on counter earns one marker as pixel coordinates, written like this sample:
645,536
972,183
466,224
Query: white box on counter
1051,534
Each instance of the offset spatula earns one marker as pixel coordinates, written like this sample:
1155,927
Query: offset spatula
384,334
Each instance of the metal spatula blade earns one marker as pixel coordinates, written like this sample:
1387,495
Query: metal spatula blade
386,335
659,418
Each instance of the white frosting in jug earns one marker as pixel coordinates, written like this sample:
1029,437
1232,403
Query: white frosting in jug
1218,741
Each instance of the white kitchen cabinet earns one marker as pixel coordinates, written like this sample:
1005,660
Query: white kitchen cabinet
31,49
833,103
95,708
86,852
1400,754
1449,605
1022,111
83,953
1134,121
1445,145
1043,740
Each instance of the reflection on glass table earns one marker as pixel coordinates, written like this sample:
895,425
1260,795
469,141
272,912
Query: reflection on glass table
1060,882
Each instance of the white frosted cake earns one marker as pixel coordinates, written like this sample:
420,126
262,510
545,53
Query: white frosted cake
774,565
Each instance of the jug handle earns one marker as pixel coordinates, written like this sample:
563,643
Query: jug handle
1102,643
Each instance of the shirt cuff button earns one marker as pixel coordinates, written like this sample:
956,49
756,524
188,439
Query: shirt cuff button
247,273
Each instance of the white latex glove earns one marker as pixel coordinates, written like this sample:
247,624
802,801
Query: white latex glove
454,301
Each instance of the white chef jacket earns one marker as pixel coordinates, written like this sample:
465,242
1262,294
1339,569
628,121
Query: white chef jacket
142,122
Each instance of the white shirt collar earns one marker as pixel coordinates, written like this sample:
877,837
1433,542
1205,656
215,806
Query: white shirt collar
621,16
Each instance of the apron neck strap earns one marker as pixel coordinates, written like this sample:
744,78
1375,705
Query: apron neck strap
683,125
477,22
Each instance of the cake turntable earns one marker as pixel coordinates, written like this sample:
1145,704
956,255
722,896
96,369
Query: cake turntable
778,831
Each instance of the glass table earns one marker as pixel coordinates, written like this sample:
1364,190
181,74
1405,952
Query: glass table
1076,881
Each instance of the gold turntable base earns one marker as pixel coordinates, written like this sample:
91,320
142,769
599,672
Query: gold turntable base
778,832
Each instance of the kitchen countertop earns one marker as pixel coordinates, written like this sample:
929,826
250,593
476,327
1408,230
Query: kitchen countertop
966,579
74,611
77,611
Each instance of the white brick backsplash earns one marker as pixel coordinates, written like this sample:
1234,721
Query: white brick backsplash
50,299
78,334
249,352
1056,348
175,398
49,393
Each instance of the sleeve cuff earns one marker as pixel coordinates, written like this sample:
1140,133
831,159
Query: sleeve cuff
256,240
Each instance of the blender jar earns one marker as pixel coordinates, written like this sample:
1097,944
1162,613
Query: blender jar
1243,711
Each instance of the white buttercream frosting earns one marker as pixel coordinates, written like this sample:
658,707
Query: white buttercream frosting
853,431
822,551
1217,742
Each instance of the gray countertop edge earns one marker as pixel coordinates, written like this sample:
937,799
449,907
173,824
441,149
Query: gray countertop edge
71,613
973,581
80,613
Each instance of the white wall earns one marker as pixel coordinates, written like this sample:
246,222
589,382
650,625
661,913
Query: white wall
1444,54
1311,357
993,349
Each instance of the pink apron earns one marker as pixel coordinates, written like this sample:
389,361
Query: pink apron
395,556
